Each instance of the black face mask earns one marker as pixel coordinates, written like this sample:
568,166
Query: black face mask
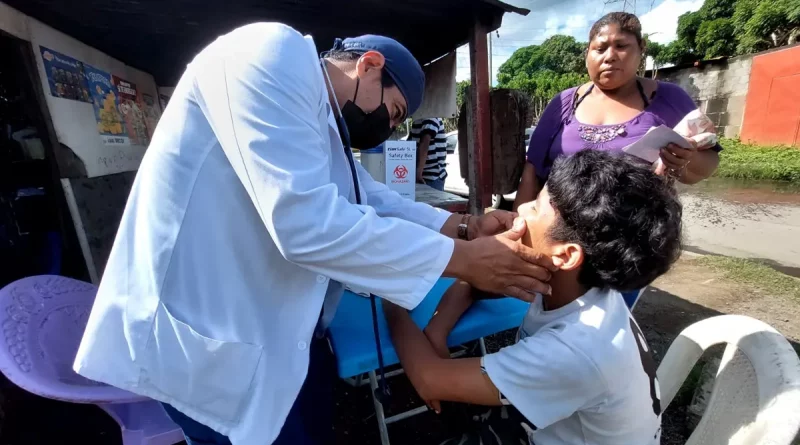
367,130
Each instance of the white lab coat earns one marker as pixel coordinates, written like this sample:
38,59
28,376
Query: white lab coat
241,218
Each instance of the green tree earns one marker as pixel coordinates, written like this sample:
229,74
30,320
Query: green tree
764,24
543,85
676,52
707,32
688,24
717,9
542,71
654,50
559,54
715,38
723,28
461,91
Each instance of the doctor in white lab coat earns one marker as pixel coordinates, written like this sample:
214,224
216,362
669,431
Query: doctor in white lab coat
243,225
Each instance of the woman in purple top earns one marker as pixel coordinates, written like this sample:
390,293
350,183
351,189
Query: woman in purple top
613,110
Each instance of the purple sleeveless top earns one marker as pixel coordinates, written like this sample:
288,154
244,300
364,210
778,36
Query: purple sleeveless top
558,132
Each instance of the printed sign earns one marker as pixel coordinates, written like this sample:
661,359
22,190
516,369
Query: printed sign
401,166
164,100
105,99
65,76
132,111
152,113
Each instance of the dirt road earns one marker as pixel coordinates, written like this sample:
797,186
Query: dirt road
738,226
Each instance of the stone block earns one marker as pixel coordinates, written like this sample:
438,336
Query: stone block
736,102
732,131
717,105
735,117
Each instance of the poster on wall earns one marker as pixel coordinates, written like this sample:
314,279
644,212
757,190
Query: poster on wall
66,76
164,99
105,100
152,113
132,111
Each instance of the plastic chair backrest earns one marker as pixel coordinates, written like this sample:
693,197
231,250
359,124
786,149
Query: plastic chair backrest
756,395
43,319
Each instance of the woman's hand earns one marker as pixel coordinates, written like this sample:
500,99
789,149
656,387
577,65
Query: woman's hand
674,159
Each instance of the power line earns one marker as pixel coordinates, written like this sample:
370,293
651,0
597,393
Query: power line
627,5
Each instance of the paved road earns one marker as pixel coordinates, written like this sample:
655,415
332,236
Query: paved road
749,230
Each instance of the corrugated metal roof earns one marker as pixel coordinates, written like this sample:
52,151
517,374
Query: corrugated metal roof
161,36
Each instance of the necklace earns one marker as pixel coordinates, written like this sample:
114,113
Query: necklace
601,134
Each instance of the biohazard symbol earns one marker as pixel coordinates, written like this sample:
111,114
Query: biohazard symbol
400,172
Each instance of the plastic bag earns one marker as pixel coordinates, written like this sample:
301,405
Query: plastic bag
699,128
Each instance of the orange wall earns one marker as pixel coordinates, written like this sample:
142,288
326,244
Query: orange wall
772,113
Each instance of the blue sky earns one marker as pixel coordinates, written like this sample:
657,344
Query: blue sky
573,17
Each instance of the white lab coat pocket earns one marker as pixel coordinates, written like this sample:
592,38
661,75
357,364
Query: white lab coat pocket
210,376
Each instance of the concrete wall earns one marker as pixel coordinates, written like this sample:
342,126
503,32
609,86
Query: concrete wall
718,87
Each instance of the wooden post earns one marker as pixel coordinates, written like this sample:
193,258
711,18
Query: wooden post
478,124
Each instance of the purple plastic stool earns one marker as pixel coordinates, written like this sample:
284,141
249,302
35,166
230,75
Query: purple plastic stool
43,319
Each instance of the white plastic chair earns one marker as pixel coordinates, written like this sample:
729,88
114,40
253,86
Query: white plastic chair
756,394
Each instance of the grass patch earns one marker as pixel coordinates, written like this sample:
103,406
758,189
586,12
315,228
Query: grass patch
755,274
686,393
745,161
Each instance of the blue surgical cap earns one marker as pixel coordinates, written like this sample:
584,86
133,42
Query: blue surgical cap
400,64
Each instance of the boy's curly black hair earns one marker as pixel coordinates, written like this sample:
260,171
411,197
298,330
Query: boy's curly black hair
626,219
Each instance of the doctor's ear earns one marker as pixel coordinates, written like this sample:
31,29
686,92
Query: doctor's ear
567,256
371,63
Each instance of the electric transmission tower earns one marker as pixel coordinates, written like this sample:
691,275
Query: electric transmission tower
627,5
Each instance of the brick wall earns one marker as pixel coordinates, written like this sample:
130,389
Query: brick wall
718,87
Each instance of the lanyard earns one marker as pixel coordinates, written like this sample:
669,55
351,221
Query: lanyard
382,392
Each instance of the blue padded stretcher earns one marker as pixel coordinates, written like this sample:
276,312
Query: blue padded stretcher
353,340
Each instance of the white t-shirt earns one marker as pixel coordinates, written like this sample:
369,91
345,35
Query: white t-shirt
581,374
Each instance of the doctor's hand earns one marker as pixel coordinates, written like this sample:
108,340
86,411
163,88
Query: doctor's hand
500,264
490,224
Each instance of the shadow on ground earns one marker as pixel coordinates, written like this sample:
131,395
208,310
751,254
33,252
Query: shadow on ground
30,420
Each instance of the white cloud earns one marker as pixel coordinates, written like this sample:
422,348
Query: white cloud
571,17
662,22
578,21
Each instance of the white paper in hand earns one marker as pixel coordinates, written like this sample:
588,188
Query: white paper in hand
649,146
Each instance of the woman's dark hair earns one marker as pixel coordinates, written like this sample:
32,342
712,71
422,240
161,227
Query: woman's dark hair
626,219
350,56
627,23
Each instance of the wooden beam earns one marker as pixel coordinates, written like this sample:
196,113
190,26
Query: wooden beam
478,122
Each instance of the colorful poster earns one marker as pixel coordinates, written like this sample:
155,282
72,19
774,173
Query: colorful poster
66,76
105,99
152,113
132,111
164,99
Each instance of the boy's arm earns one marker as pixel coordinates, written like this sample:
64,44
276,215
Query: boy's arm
436,378
455,301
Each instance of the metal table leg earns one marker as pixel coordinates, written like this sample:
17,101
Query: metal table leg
373,385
